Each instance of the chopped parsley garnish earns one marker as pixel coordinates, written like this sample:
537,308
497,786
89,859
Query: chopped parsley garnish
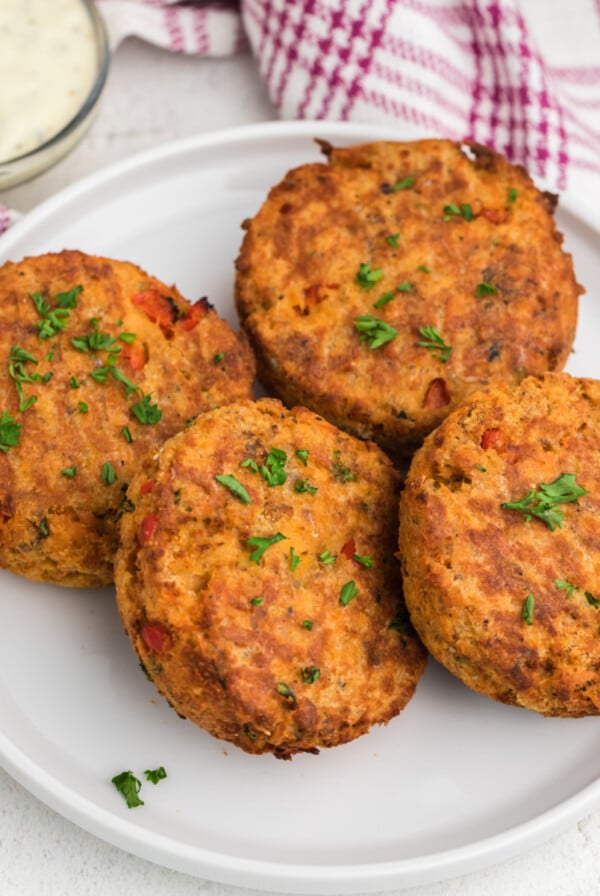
511,194
16,369
120,377
542,502
424,268
257,601
565,586
10,432
107,473
154,775
307,624
463,210
301,486
250,463
527,609
310,674
327,558
273,469
73,382
302,454
348,593
54,319
69,472
126,434
375,331
96,341
82,407
128,338
434,343
485,289
284,690
404,184
236,488
260,545
218,357
43,527
294,559
363,559
129,787
339,470
367,277
145,411
392,240
386,297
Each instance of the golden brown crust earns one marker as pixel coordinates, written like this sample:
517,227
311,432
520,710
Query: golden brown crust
470,564
60,527
298,298
223,635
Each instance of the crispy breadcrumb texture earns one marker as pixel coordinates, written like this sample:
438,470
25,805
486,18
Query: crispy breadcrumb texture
500,544
100,363
258,582
383,287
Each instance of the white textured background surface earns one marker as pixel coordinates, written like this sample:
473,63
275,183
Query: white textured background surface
153,97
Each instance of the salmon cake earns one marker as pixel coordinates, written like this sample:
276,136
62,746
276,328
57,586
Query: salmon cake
257,580
500,544
101,363
383,287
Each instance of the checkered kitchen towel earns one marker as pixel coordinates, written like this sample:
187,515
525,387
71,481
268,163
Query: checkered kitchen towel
520,75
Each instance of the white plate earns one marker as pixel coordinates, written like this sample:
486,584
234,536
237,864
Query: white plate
454,783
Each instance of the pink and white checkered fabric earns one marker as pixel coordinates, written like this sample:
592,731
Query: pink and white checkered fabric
464,69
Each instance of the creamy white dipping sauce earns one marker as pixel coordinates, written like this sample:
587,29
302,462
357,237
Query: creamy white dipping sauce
48,64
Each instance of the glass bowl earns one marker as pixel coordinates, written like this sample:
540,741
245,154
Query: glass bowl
37,159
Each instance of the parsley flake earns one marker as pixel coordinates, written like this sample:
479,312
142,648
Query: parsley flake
302,454
375,331
434,342
310,674
129,787
260,545
294,559
236,488
69,472
327,558
257,601
273,469
307,624
82,407
126,434
463,210
485,289
154,775
542,502
527,609
284,690
301,486
364,560
10,432
404,184
218,357
392,240
107,473
146,412
366,277
54,319
348,593
511,194
250,463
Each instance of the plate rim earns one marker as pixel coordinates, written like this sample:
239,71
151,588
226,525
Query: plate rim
218,865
